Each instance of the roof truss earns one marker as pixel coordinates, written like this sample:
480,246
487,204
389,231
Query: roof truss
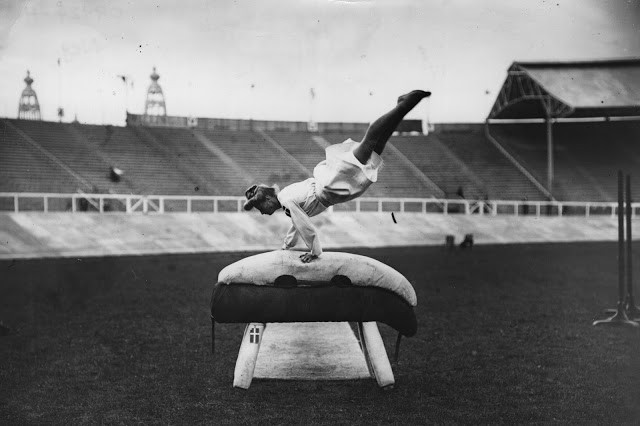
520,87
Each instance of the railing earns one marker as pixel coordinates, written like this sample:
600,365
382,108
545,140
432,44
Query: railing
121,203
15,202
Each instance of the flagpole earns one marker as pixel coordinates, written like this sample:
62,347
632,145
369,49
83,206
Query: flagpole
312,94
125,81
427,114
126,95
60,108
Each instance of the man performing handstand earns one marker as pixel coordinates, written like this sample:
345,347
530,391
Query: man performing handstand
350,168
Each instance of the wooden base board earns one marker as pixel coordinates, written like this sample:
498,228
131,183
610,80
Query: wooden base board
310,351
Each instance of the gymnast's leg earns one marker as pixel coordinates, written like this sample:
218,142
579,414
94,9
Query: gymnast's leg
381,130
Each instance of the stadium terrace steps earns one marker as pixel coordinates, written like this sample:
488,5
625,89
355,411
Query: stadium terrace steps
301,146
436,162
55,138
34,235
528,146
586,156
215,175
149,170
498,177
174,159
125,184
599,150
25,169
257,156
418,174
528,149
180,161
284,154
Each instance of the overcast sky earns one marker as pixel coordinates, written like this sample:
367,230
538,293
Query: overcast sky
259,59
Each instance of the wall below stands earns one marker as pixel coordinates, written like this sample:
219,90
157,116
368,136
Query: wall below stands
205,123
28,235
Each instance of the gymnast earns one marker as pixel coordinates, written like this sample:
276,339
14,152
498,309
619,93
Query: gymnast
349,169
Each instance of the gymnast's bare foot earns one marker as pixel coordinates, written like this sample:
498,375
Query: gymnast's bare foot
414,96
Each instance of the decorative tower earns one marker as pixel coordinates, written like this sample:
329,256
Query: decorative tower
29,108
155,98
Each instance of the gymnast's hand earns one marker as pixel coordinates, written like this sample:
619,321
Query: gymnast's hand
307,257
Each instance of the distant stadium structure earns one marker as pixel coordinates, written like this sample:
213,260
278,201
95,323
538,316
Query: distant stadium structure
155,104
407,127
557,132
232,124
568,92
29,107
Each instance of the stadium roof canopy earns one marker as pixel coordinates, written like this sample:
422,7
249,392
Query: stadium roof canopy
570,90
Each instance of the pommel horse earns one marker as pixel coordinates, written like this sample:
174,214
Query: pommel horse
298,316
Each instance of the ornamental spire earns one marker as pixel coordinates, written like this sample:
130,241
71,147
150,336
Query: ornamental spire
155,104
29,107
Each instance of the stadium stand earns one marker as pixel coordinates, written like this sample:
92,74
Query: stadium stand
149,170
586,155
498,177
440,165
25,168
599,149
256,159
56,142
182,161
53,157
211,174
214,156
301,146
453,159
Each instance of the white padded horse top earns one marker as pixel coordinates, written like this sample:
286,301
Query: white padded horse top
264,268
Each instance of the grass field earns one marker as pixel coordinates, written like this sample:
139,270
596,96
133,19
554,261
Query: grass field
504,336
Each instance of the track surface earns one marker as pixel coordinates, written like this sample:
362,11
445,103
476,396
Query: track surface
504,336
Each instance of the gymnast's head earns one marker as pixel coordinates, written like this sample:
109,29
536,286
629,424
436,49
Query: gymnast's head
263,198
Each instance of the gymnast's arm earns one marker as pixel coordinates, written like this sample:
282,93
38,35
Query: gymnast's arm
306,231
291,239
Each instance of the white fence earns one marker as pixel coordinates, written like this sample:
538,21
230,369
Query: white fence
157,204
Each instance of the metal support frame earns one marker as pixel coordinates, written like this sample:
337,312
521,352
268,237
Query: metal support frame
549,152
620,316
630,307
